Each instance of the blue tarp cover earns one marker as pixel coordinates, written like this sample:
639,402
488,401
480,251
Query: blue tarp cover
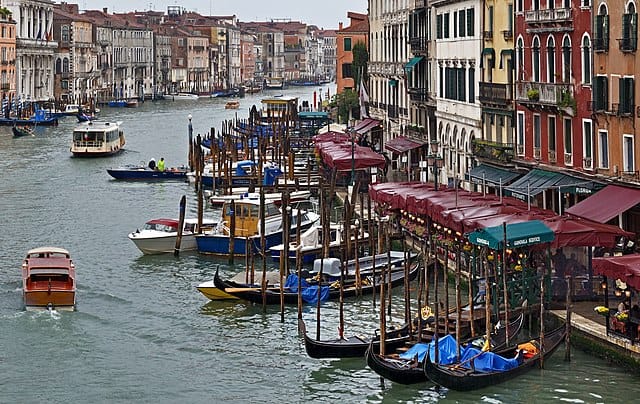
446,347
309,293
487,361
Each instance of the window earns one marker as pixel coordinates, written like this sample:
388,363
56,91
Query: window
64,33
600,93
65,65
439,26
455,24
520,138
472,85
586,60
490,27
627,153
587,143
445,25
535,55
442,82
461,85
462,21
551,129
347,44
551,60
58,66
470,21
603,149
520,6
629,41
510,18
586,3
536,4
626,88
568,139
520,59
601,30
346,70
537,133
566,59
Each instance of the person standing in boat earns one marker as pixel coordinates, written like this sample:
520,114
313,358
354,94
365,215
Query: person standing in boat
152,164
161,164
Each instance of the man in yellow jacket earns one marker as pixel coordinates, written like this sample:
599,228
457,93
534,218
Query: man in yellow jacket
161,164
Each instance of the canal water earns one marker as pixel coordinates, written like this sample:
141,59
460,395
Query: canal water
143,333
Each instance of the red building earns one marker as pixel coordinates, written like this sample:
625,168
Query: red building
554,129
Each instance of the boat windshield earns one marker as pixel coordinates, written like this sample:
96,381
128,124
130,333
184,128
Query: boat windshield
79,136
160,227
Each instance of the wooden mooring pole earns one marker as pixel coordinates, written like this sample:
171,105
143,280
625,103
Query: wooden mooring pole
567,339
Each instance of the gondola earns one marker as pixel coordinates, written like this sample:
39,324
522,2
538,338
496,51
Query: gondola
351,347
410,371
464,377
253,293
19,131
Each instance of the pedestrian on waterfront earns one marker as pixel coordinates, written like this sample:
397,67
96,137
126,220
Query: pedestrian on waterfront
152,164
559,262
161,164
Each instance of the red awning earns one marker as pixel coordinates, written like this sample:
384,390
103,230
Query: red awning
366,125
578,232
606,204
625,267
402,144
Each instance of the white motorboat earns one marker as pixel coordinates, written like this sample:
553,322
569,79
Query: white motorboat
183,96
158,236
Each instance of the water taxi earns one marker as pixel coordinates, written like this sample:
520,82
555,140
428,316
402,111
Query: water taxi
232,105
158,236
49,279
97,139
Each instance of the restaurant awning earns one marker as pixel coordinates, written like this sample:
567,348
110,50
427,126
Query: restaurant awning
625,267
366,125
412,63
402,144
536,181
606,204
491,175
518,235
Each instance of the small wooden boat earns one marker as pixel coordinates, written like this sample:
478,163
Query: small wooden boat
253,293
131,103
232,105
49,279
351,347
410,370
144,173
19,131
473,374
158,236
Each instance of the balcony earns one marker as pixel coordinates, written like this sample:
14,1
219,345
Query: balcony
5,87
552,156
418,94
549,94
508,34
489,150
418,44
487,34
417,132
548,16
628,44
587,163
418,4
495,93
600,44
520,150
568,159
537,153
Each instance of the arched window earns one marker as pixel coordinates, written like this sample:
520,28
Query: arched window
535,56
566,59
64,33
601,30
65,65
629,41
586,60
520,58
58,66
551,60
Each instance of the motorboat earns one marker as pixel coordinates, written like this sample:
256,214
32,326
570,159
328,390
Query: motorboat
144,173
49,279
310,245
183,96
97,139
158,236
294,196
239,231
232,105
117,103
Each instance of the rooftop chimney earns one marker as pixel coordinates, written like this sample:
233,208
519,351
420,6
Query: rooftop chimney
339,26
104,10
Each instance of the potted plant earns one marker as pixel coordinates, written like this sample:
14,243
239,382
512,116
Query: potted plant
533,94
567,103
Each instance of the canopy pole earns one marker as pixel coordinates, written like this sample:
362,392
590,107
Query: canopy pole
528,195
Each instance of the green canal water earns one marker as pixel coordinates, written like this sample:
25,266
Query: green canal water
143,333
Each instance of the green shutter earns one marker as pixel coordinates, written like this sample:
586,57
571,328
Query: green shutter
630,94
595,94
622,88
605,32
605,93
462,21
633,27
472,95
439,26
470,22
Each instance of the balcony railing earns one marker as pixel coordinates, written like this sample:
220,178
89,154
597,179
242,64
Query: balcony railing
547,16
418,44
417,4
492,150
568,159
487,34
508,34
5,87
552,156
417,132
418,94
537,153
520,149
600,44
587,163
495,93
628,44
542,93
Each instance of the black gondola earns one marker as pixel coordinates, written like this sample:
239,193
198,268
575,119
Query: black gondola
254,294
410,371
19,131
457,377
351,347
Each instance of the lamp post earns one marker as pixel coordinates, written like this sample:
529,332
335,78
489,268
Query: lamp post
190,126
435,161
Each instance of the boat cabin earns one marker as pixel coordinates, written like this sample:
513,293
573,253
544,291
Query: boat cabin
280,108
97,138
247,216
